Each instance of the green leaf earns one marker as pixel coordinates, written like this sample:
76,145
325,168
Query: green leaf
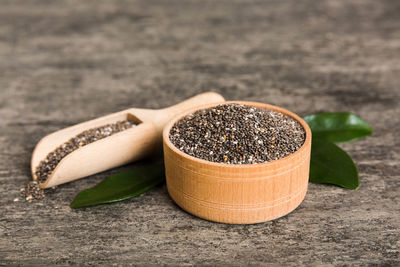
121,186
337,126
331,165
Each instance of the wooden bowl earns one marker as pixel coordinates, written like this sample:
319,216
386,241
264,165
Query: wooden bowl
237,194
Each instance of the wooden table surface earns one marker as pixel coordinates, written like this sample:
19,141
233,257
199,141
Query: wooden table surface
63,62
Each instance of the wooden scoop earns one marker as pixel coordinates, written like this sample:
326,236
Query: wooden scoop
116,150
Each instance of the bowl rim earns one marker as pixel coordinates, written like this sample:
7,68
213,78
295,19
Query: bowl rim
306,144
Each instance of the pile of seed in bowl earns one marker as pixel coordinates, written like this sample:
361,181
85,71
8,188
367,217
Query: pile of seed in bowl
237,134
48,164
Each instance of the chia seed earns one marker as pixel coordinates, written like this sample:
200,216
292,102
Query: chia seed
46,166
237,134
32,191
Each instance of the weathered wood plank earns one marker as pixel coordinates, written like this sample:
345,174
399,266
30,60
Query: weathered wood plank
63,62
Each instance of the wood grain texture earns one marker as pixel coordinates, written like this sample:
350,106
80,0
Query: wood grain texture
239,194
67,61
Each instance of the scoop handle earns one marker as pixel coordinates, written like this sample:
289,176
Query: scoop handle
166,114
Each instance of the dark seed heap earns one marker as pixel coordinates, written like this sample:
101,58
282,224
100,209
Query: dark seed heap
32,191
47,166
237,134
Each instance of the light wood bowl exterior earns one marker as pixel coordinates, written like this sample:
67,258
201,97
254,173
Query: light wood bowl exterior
237,194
